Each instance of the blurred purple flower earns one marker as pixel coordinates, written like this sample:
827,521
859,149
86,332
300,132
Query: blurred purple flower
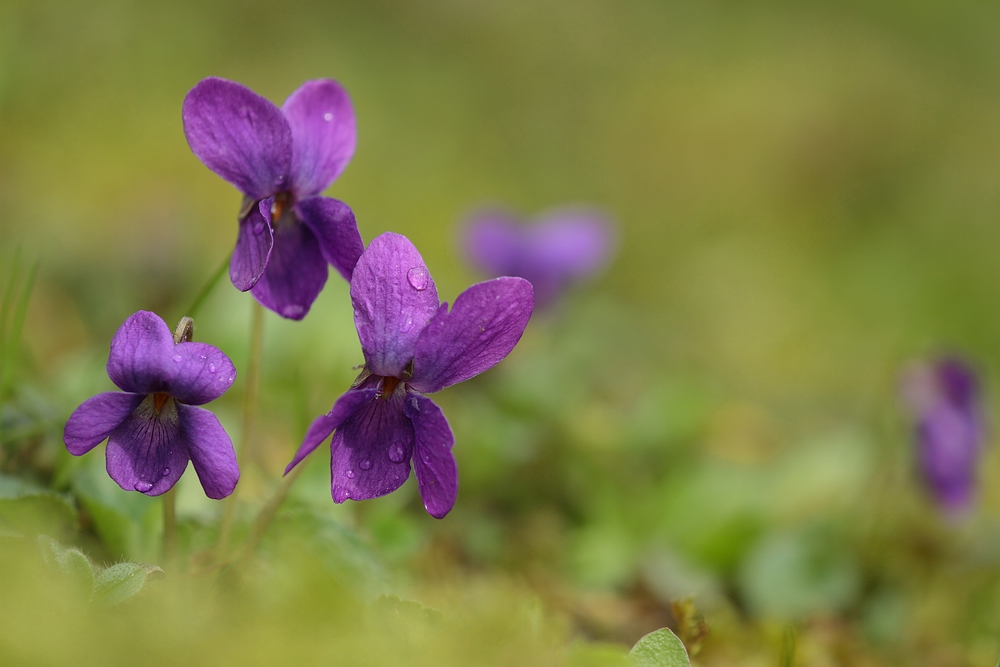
562,248
944,397
153,428
413,346
280,159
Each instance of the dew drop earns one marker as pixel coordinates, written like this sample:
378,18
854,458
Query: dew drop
418,277
166,471
328,116
407,325
293,311
143,487
178,358
396,453
365,464
350,474
258,228
211,368
427,458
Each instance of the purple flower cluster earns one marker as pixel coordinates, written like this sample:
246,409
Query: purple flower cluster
944,398
281,160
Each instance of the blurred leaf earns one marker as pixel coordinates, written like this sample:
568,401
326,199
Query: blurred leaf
28,508
123,581
597,655
71,562
127,522
660,648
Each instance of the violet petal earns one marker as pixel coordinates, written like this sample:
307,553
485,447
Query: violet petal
140,354
482,328
323,135
394,296
200,373
295,273
147,453
324,425
433,462
239,135
210,449
96,418
370,452
496,244
253,247
949,450
333,223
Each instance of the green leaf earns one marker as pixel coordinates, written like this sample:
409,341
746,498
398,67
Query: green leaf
29,509
123,581
128,522
660,648
70,561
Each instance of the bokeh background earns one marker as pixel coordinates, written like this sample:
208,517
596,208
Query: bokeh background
807,196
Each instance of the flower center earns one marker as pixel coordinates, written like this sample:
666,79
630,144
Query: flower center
389,385
281,210
159,400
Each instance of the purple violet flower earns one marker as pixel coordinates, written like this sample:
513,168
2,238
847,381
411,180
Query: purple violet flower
152,426
562,248
413,346
944,398
280,159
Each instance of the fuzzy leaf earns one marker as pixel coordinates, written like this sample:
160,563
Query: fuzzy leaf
120,582
660,648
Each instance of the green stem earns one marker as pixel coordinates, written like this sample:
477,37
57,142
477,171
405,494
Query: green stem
170,529
249,419
207,288
269,510
788,642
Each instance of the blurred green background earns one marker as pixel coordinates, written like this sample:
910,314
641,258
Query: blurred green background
807,195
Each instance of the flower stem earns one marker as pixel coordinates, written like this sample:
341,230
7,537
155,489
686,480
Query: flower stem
170,528
207,288
268,512
249,419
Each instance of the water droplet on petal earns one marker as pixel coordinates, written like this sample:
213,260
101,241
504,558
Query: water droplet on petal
350,474
427,458
365,464
418,277
211,368
396,453
178,358
143,487
166,471
292,311
328,116
258,228
407,325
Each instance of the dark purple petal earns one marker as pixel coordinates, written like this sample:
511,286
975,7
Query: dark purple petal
296,270
140,354
370,453
433,463
201,373
147,453
239,135
96,418
958,383
323,135
949,452
482,328
394,297
324,425
210,449
333,223
253,247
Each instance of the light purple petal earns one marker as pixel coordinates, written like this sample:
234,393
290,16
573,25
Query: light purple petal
433,463
370,453
253,247
949,452
333,223
201,373
296,270
394,297
324,425
482,328
210,449
497,244
96,418
239,135
576,241
140,354
323,135
147,453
